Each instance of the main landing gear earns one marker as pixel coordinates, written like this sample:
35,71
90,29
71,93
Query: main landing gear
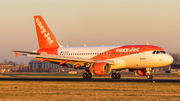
87,75
116,75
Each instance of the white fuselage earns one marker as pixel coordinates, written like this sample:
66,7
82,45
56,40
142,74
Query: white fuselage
122,59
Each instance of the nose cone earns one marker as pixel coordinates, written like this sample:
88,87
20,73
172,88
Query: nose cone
168,59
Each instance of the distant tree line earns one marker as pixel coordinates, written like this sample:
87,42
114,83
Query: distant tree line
176,57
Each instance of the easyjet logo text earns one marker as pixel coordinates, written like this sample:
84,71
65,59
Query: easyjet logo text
128,49
43,31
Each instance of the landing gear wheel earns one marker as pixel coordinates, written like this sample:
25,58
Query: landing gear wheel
118,76
87,75
149,77
113,75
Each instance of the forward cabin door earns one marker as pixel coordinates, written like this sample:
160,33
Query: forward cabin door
143,62
143,53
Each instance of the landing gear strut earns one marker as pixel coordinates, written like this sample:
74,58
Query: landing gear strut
87,75
116,75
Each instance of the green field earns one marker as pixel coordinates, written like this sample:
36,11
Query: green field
88,91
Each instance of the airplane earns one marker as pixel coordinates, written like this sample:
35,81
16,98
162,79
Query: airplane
97,60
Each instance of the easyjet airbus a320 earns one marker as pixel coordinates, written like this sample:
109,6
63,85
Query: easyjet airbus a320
98,60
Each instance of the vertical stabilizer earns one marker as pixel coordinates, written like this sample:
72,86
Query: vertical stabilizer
44,35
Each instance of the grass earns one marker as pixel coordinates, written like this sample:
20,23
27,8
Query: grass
86,91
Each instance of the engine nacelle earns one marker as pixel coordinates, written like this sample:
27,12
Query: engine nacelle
100,68
141,72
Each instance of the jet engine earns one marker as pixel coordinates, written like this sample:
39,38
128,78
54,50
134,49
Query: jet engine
100,68
141,72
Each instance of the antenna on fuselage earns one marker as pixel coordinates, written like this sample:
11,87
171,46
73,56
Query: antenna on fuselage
147,43
84,45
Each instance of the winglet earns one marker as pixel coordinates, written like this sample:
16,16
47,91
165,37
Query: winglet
16,54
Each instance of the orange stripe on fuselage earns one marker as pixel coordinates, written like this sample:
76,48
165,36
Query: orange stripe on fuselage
129,49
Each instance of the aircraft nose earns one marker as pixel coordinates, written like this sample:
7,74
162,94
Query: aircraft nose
168,59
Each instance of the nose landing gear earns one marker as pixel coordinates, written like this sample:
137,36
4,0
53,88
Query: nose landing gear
149,72
149,77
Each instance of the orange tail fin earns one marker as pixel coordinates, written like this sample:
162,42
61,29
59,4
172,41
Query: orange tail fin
44,35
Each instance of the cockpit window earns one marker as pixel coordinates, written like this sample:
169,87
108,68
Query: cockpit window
163,52
159,52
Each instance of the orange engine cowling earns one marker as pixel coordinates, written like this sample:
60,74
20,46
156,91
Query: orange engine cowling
100,68
141,72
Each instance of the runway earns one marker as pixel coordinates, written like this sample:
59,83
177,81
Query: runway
90,80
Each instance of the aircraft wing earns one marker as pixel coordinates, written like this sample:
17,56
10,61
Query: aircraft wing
60,59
